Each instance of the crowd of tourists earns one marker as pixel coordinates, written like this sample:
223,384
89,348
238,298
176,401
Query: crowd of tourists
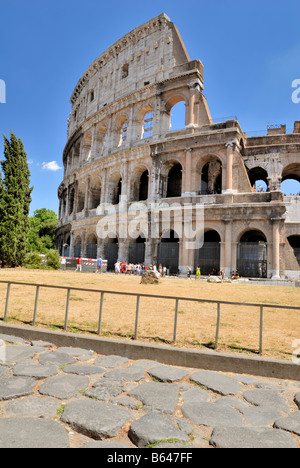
138,268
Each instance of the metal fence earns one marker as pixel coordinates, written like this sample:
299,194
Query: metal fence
176,300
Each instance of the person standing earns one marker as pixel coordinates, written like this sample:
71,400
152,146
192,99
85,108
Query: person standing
99,265
79,268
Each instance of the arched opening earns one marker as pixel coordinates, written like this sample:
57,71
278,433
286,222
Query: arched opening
294,242
114,189
77,247
290,184
252,255
144,185
100,140
66,247
80,198
174,182
71,200
137,250
168,252
177,118
208,256
259,179
95,194
111,253
211,178
92,246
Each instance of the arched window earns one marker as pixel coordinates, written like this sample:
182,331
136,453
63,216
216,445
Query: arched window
148,125
124,134
252,254
174,186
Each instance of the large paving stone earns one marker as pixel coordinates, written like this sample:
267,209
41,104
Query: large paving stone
58,358
168,374
244,437
219,383
128,374
103,393
82,369
32,407
17,353
32,433
269,398
290,424
210,414
15,387
195,395
154,428
96,419
157,396
64,386
33,369
110,361
297,399
260,416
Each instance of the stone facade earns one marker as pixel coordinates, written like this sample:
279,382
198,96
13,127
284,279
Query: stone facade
121,150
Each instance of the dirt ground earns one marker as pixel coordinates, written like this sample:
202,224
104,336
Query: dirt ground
196,328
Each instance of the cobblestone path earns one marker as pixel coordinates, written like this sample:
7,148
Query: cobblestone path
70,397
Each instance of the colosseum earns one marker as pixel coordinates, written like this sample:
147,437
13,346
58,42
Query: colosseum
121,150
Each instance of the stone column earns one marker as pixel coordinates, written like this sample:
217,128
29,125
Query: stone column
276,249
229,165
227,247
188,179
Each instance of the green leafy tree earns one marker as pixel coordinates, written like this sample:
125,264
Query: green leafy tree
15,203
41,236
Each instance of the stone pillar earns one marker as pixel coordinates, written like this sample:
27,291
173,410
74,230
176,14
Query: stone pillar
229,164
227,247
87,195
276,249
187,174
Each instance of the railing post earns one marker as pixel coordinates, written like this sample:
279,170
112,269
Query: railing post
67,309
261,330
137,316
6,302
100,313
175,320
35,305
218,325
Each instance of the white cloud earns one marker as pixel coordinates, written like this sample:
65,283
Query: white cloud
51,166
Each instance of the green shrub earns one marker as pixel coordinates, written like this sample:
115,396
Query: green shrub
53,259
33,260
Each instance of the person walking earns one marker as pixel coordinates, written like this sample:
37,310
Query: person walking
99,265
79,268
198,273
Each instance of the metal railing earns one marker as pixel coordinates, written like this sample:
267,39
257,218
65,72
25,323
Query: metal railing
137,310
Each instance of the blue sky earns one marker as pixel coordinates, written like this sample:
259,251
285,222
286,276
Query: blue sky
250,52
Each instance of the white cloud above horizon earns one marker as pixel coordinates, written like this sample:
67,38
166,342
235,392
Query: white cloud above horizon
51,166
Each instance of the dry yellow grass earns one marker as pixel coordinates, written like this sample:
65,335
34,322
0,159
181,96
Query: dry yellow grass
239,330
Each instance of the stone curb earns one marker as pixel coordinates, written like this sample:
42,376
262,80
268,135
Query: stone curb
208,360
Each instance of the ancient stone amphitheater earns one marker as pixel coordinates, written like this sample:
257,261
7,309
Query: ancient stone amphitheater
121,150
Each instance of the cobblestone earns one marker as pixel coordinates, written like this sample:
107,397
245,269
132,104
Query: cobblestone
71,397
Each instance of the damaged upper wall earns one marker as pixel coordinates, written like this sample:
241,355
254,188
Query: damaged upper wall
151,53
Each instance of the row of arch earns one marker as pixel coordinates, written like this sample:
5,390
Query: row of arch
251,255
289,179
170,186
107,135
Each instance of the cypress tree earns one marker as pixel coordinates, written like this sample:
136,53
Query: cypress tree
16,198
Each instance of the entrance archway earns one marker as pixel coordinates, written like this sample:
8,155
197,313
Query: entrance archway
111,253
252,255
137,250
294,242
208,257
168,252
